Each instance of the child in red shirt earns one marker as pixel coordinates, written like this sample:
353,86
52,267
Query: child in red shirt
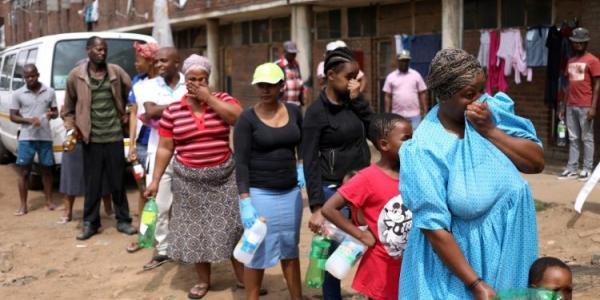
374,190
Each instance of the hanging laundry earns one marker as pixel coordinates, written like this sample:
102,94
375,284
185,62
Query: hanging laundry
423,48
537,52
511,49
496,80
484,48
553,43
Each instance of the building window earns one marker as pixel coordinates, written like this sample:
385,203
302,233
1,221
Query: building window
246,37
479,14
329,24
226,35
361,21
189,38
280,29
260,31
526,12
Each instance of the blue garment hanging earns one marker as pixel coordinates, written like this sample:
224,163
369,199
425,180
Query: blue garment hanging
422,50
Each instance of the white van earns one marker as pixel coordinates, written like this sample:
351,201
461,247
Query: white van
54,56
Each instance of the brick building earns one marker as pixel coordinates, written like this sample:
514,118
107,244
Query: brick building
237,35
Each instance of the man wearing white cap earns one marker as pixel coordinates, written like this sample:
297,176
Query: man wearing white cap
320,68
293,91
405,91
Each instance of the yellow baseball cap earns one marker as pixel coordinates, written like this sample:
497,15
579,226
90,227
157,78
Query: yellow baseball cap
268,73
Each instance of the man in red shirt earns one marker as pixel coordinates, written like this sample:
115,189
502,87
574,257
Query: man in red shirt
582,99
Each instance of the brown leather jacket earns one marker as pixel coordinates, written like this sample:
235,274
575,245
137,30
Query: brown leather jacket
78,97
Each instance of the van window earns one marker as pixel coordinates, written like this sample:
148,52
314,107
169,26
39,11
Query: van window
31,56
18,80
68,53
7,69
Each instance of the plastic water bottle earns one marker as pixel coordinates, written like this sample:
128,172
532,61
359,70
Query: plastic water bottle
319,250
148,224
561,130
253,236
345,257
333,233
527,294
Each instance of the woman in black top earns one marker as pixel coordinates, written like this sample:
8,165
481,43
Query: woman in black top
266,137
334,140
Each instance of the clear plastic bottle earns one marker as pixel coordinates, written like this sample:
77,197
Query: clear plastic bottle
70,141
331,232
246,248
345,257
561,132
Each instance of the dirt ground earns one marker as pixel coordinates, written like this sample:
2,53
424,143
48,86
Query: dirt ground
40,259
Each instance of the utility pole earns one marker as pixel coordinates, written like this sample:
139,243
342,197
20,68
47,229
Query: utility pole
162,28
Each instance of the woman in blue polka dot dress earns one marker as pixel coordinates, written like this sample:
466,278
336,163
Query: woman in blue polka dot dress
474,228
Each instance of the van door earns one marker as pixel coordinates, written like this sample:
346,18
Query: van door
7,128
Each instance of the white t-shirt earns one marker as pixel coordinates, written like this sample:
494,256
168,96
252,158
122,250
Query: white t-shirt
158,92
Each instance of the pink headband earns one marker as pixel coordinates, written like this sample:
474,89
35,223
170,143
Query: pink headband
148,50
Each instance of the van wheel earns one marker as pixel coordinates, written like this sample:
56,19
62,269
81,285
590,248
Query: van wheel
35,182
5,156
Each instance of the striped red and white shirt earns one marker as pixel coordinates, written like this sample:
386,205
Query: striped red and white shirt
200,141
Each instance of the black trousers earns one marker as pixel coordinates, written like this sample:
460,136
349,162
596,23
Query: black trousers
103,168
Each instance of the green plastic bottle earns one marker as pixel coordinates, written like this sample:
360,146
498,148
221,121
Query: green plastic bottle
148,224
319,251
527,294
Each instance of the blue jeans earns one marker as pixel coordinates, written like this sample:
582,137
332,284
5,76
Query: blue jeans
331,286
26,151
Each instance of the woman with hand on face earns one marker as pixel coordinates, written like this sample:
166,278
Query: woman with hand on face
334,140
266,140
205,222
474,228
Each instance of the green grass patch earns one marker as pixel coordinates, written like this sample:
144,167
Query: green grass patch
540,206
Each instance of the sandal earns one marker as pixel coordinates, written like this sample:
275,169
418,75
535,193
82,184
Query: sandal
63,220
261,292
20,212
157,261
133,247
198,291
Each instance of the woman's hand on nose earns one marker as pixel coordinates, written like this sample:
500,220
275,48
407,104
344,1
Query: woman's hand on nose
481,118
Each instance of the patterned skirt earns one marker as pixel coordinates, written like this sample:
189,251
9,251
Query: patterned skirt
205,220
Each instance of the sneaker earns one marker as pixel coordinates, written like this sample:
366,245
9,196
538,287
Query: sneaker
566,174
583,176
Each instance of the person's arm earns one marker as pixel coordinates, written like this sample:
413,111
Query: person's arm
363,82
447,249
153,110
362,108
387,102
132,155
164,153
331,211
227,110
527,156
242,143
53,109
595,91
311,134
424,104
68,113
15,116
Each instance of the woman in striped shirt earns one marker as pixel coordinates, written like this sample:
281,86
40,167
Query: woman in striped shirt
205,221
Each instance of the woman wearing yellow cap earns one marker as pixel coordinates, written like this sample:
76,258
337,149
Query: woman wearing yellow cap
266,139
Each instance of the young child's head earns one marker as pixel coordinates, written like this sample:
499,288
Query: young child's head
387,132
552,274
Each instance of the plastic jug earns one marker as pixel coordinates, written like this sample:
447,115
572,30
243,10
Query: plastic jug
246,248
345,257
